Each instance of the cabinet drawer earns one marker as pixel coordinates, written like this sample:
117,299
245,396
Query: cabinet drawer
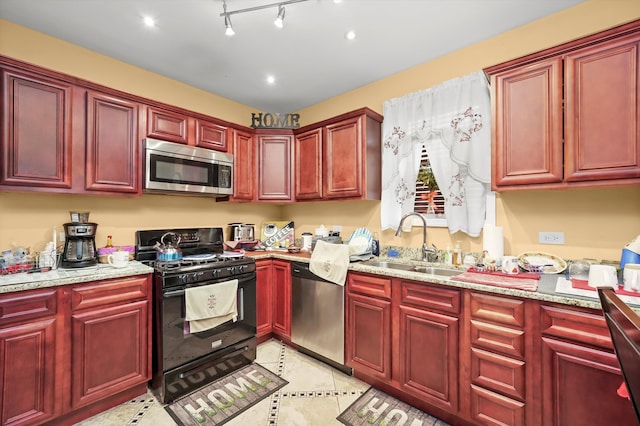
369,285
581,326
497,309
489,408
26,306
430,297
506,341
498,373
109,292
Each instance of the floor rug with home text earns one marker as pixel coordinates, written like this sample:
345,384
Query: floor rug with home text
376,408
224,399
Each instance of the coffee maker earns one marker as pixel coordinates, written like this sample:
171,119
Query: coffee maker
79,245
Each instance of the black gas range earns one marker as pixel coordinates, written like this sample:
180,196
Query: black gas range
183,361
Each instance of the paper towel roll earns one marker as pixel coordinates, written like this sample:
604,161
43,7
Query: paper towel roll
493,241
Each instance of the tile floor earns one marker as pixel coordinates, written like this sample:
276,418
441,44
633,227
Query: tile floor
315,395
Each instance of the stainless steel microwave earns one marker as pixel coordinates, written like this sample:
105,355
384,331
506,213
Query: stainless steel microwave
181,169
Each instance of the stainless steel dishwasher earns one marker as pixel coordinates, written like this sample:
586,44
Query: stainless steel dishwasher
317,316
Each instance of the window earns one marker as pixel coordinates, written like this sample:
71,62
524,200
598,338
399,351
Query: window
432,206
429,201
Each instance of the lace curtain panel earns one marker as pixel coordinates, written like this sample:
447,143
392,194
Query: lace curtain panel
453,122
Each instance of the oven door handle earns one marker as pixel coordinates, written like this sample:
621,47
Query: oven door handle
173,293
209,364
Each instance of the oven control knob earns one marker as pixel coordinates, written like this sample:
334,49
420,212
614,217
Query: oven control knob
184,279
215,273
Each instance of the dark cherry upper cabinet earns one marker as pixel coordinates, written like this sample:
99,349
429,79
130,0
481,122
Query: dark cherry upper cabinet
568,116
244,169
342,162
308,165
36,144
112,147
167,125
602,103
210,135
275,165
527,125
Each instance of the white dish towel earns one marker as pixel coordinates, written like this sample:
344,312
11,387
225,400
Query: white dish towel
330,261
208,306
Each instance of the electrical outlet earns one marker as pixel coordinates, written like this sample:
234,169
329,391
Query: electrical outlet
551,237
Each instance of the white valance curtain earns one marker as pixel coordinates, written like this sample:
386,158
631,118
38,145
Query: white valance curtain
453,122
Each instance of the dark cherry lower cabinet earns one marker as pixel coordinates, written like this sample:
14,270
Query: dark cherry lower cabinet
428,329
580,372
30,349
264,297
368,325
474,358
72,351
273,299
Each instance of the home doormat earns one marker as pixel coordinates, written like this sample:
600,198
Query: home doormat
224,399
375,407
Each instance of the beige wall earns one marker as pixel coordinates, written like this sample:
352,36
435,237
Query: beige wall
596,222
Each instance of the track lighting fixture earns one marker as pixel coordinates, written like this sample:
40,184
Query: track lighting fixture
279,22
227,21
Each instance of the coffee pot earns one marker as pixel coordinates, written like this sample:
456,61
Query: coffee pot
79,245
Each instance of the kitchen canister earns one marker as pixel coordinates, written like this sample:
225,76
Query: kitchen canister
307,239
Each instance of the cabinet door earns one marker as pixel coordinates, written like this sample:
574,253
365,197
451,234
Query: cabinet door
274,167
368,334
35,149
167,125
211,135
282,298
308,165
110,351
29,380
579,386
112,163
527,125
343,159
602,135
243,165
264,297
428,363
27,372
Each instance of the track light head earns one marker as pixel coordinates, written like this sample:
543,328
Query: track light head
279,22
229,28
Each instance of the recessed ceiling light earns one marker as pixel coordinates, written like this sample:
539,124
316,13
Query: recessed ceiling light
271,79
149,21
350,35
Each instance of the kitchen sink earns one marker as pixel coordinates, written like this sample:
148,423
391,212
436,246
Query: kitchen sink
392,265
434,270
430,270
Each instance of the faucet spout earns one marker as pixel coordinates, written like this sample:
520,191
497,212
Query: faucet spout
427,253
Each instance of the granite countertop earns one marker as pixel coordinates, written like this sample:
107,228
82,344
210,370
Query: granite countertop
546,286
57,277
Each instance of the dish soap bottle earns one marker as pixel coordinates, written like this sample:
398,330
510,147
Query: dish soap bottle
109,241
448,256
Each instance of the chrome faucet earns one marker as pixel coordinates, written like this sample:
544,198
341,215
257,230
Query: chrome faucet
428,254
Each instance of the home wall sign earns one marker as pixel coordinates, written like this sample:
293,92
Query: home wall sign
270,120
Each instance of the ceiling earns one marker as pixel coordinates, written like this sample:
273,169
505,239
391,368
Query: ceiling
310,57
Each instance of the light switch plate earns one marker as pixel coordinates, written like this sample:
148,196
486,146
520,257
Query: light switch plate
551,237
